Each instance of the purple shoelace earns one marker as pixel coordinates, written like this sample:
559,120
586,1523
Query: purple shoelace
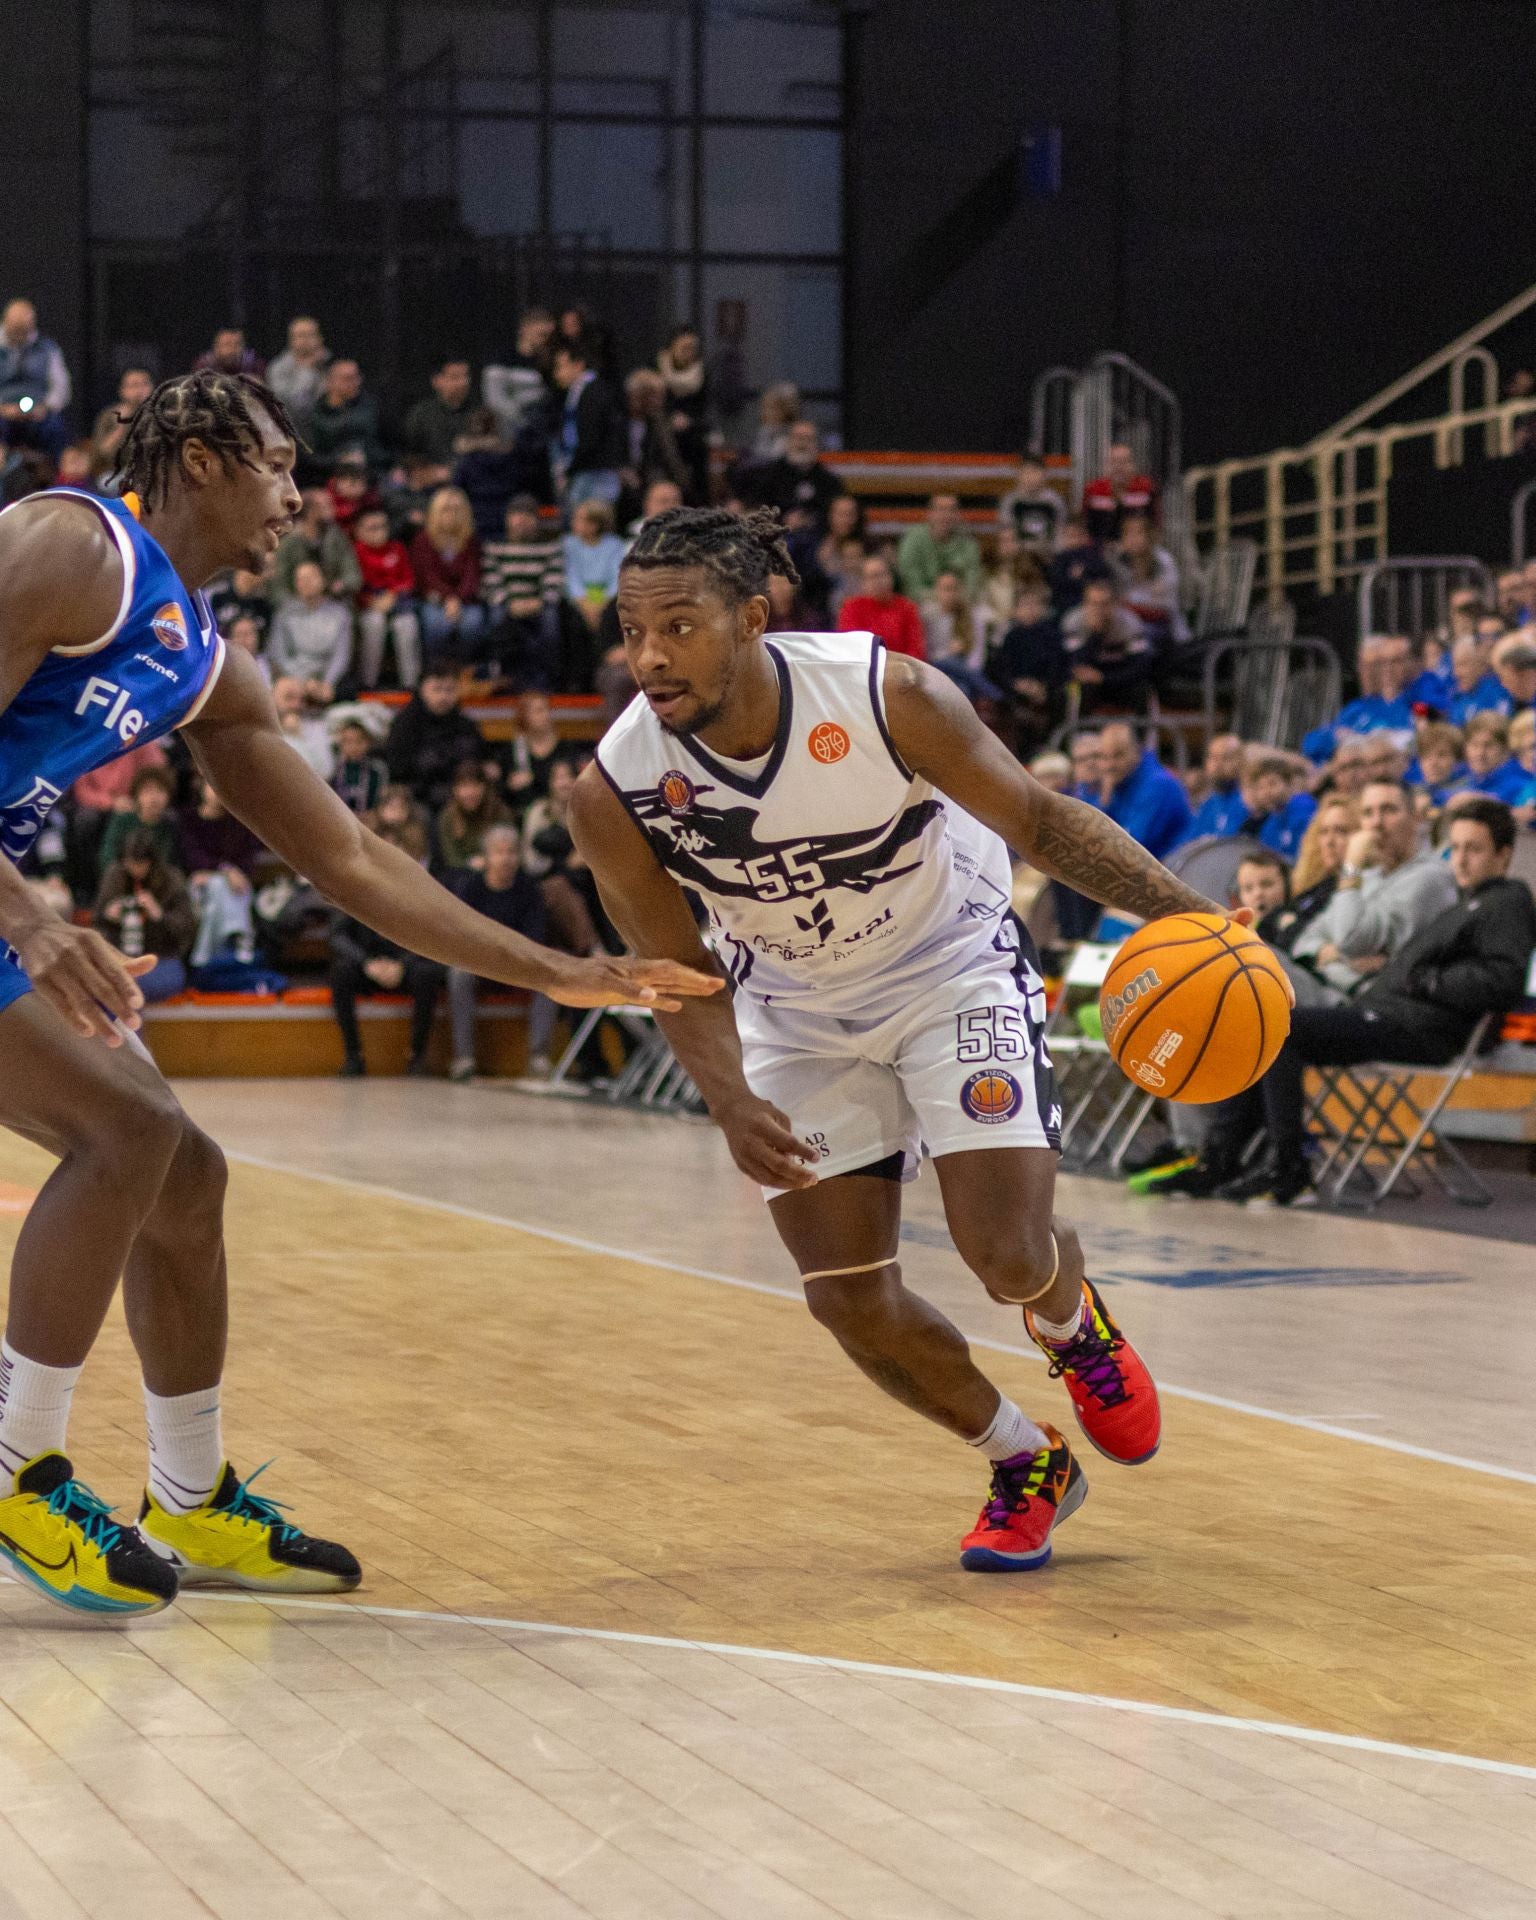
1092,1358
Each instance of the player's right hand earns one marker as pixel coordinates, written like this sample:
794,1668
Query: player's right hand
764,1144
85,978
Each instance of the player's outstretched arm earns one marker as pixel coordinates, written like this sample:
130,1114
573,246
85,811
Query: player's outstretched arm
647,906
239,746
936,732
61,584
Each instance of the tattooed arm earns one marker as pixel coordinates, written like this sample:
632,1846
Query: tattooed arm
937,734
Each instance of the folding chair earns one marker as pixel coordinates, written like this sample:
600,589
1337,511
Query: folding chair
1378,1137
1096,1098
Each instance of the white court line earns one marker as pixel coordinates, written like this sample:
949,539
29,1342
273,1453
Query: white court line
1303,1420
1018,1689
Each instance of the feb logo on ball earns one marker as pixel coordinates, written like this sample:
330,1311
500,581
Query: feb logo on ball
168,626
677,791
991,1096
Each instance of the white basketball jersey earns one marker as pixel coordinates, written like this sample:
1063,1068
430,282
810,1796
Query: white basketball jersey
835,879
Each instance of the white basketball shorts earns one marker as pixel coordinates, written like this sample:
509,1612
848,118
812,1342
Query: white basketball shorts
963,1066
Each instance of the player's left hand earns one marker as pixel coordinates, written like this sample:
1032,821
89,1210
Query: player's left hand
606,981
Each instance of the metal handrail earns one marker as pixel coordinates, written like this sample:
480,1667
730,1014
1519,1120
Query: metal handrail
1519,509
1284,660
1442,573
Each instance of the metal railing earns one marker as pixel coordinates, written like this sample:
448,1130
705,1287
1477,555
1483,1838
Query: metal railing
1080,415
1271,692
1413,595
1519,520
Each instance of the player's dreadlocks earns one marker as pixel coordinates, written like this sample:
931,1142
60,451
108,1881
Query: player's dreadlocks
215,408
741,550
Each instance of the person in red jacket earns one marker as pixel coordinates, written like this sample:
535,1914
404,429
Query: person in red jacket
1119,490
884,612
446,557
386,606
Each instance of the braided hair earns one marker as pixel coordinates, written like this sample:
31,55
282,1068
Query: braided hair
217,409
741,550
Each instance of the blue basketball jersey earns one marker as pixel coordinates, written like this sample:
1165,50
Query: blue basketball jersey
149,673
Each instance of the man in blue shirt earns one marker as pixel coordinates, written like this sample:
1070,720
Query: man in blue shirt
1385,665
1223,811
1145,799
1276,818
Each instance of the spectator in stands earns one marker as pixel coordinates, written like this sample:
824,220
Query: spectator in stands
1277,815
1032,510
1142,796
1385,666
1514,665
297,375
1429,992
222,855
1148,579
1078,560
1263,884
956,634
1383,758
350,490
34,383
1053,771
244,632
941,544
360,775
777,411
651,448
94,799
504,893
681,366
799,485
1223,811
1119,490
311,637
1087,755
591,554
661,496
316,537
1109,654
151,797
302,727
1319,861
133,389
345,419
1514,609
522,580
431,736
387,603
473,804
1474,688
486,471
445,557
436,421
231,353
364,962
589,449
1438,770
402,820
842,551
1489,767
533,751
517,389
1522,749
143,907
879,609
1029,664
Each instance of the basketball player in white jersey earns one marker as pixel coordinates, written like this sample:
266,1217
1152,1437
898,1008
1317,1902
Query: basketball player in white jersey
845,820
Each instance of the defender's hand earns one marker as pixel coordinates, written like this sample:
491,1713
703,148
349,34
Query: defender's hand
606,981
85,978
764,1145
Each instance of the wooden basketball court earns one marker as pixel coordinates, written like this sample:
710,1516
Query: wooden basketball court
663,1617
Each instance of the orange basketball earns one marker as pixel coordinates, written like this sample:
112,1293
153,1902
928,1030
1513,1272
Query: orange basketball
1195,1008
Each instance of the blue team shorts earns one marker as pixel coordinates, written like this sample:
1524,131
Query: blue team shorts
13,982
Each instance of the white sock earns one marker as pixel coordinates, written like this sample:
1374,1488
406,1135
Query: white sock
34,1410
1059,1332
186,1447
1010,1433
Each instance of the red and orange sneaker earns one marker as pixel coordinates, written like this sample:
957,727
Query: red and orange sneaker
1112,1393
1031,1493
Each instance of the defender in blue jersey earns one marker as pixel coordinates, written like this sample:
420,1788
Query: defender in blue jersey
106,641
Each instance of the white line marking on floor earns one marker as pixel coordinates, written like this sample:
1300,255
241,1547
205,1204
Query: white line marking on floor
1184,1716
1305,1421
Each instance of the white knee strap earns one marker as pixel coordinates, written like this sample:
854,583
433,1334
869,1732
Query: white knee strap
837,1273
1025,1299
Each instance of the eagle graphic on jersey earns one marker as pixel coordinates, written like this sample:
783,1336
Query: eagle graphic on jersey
717,851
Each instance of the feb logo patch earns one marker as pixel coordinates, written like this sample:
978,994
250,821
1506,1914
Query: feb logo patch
828,743
991,1096
676,791
168,626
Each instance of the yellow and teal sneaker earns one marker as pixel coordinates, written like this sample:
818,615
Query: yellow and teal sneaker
63,1542
237,1539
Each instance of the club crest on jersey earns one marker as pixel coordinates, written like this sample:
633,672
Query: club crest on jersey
676,791
991,1096
169,626
829,743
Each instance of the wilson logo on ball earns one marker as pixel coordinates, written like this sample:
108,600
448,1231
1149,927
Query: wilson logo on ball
828,743
676,791
1117,1005
991,1096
